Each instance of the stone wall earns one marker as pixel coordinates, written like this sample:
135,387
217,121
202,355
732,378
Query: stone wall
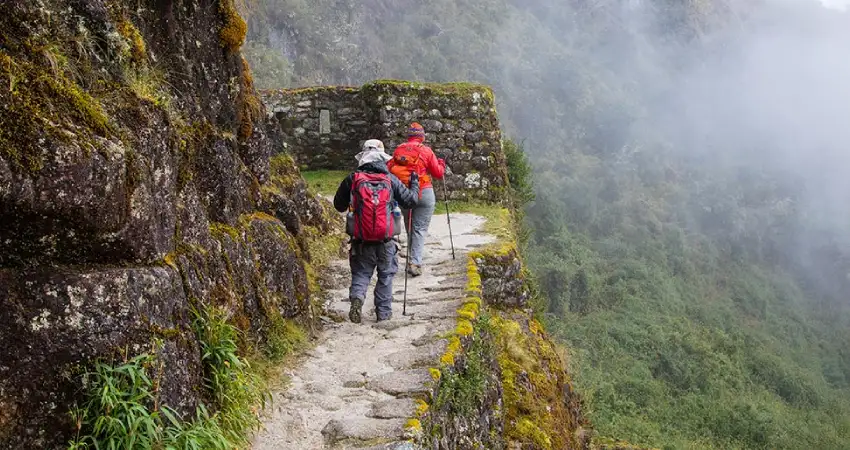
503,384
323,128
136,187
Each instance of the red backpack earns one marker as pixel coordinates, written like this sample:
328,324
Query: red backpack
370,216
407,159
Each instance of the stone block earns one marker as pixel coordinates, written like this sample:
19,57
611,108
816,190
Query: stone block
324,121
52,321
362,430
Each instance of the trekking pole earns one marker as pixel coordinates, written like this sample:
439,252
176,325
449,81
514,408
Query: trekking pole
448,216
407,260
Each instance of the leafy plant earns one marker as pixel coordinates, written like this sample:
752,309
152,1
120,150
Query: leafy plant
236,390
122,412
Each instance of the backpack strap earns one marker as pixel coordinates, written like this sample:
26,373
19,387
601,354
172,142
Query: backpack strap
351,192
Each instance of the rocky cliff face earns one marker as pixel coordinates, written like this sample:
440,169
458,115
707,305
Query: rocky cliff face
135,186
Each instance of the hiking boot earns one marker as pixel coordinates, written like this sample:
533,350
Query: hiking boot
384,319
354,312
415,270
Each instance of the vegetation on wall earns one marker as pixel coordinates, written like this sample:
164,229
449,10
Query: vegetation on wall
236,390
122,408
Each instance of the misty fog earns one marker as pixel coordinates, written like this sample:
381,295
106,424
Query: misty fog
760,85
691,167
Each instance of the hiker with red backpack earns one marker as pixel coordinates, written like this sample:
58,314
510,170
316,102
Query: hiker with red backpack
414,157
370,194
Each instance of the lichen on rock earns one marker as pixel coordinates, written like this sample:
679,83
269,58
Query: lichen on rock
136,187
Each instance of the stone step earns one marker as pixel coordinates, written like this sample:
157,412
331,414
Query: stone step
417,357
398,321
428,295
449,272
362,429
393,446
454,280
441,310
452,294
397,408
402,383
443,287
452,297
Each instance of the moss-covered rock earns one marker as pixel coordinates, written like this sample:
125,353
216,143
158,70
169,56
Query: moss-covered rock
503,382
53,321
136,186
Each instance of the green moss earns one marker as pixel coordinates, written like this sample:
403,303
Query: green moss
282,164
313,90
322,246
219,230
250,105
464,380
464,327
283,339
246,219
413,425
233,32
166,333
469,311
171,260
284,176
150,85
532,433
532,382
439,89
137,47
42,103
422,407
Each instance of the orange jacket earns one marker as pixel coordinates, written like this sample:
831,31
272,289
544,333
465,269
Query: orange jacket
429,164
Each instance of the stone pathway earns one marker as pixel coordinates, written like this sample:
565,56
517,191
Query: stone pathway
357,388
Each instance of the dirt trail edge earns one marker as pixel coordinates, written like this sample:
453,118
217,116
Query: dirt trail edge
357,387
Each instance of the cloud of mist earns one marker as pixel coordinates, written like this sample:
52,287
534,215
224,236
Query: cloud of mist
836,4
764,85
775,95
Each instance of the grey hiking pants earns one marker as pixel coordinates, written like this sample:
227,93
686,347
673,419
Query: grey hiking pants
364,259
422,213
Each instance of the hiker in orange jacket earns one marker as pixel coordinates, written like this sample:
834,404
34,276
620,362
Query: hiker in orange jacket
410,156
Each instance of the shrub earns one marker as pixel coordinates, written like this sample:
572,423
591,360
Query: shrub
519,173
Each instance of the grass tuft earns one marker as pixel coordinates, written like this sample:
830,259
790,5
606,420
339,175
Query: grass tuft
122,410
324,182
236,390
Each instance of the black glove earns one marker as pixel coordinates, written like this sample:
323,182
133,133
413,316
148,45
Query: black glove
414,177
